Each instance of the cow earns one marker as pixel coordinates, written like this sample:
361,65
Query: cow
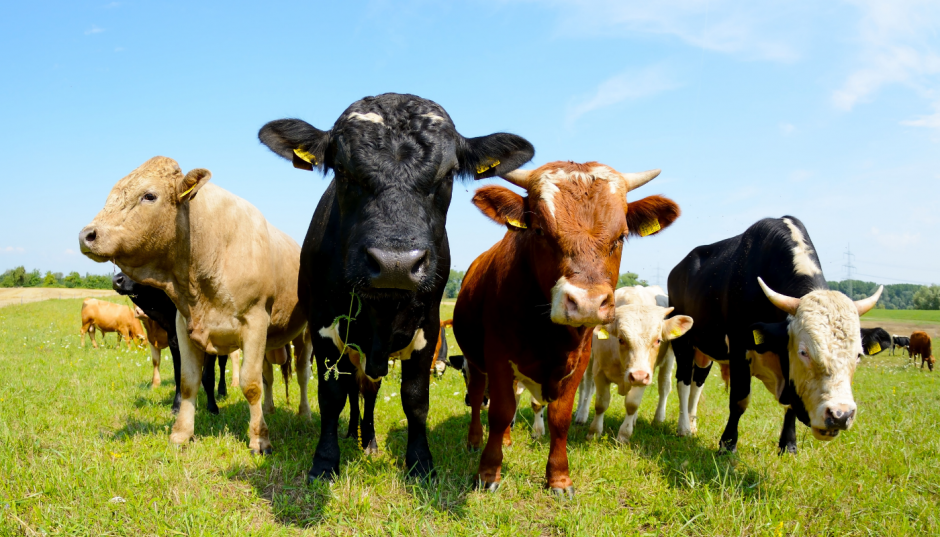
627,351
921,347
904,343
160,313
231,275
527,305
875,341
109,317
439,365
156,340
377,239
762,308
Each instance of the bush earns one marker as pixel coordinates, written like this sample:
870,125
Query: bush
927,298
629,279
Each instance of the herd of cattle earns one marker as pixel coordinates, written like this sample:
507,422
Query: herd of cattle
365,290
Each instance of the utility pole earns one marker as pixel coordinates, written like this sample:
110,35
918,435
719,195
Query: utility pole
848,266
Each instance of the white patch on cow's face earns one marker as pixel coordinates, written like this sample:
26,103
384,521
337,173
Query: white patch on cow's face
371,116
802,262
433,117
825,342
639,330
547,195
418,342
534,387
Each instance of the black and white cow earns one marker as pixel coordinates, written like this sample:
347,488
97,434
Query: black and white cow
904,343
762,308
162,311
875,340
378,233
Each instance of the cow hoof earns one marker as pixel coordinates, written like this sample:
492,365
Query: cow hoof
265,451
372,448
352,433
175,409
324,476
223,391
304,412
563,493
421,471
487,486
214,410
789,448
265,409
727,448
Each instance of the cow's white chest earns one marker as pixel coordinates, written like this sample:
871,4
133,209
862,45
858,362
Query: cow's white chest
534,387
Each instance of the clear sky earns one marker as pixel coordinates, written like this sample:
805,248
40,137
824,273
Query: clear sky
828,111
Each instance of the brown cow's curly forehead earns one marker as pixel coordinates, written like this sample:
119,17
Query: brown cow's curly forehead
158,172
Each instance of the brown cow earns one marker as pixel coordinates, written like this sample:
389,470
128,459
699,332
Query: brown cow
527,306
109,317
920,346
157,339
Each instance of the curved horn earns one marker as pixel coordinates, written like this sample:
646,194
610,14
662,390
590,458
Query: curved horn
867,304
519,178
783,302
636,180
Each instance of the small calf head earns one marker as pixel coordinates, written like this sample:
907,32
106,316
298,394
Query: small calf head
137,225
572,225
641,332
823,339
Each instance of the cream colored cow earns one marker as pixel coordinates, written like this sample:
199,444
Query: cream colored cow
230,273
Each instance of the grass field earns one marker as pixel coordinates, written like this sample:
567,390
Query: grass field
85,452
921,316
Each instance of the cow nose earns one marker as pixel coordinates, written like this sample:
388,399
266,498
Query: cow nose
117,281
839,417
393,269
579,305
87,236
639,378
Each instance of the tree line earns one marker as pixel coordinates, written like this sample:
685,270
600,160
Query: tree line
20,277
896,296
456,278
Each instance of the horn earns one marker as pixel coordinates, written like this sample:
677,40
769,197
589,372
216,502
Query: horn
867,304
783,302
519,178
636,180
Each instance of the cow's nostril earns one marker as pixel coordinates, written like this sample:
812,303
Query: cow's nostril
375,268
570,304
91,236
420,264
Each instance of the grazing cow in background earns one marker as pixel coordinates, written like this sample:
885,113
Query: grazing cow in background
231,275
903,342
527,306
440,352
109,317
627,351
161,311
921,347
378,239
794,334
875,340
156,339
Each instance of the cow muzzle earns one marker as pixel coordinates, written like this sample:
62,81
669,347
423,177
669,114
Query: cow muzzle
396,269
576,306
88,242
838,417
639,378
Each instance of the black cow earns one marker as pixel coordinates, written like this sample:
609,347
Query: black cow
875,340
377,236
798,337
161,309
903,342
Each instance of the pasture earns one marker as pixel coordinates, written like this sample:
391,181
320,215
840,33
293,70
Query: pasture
86,452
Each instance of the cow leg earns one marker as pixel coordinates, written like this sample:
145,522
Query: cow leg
303,351
236,357
222,389
94,344
685,357
331,396
254,339
501,411
787,442
267,381
191,358
367,426
415,394
351,385
559,422
585,392
177,371
538,422
601,403
664,385
85,328
208,383
737,402
476,386
155,360
631,403
699,375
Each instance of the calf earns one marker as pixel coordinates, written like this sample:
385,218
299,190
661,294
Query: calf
875,340
904,343
231,275
160,314
628,350
921,347
794,334
109,317
527,305
377,241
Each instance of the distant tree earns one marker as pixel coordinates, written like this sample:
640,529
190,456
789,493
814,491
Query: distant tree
629,279
927,298
49,279
73,280
898,296
453,283
96,281
33,278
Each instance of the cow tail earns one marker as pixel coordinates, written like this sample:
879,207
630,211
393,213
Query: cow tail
286,372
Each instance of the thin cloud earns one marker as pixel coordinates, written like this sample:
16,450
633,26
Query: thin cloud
12,250
627,86
94,30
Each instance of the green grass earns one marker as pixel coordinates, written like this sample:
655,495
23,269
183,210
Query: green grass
80,428
923,316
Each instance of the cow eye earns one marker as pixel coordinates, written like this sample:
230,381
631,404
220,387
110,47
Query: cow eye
622,342
149,196
658,341
804,354
538,231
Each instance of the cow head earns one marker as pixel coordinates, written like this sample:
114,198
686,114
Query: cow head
395,158
641,331
137,226
822,337
572,226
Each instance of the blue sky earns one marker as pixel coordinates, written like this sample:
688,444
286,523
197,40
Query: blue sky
826,111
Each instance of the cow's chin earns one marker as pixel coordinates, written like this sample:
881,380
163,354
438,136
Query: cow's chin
374,294
93,256
825,434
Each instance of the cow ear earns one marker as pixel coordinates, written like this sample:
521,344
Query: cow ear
496,154
501,205
676,327
769,337
297,141
191,183
651,214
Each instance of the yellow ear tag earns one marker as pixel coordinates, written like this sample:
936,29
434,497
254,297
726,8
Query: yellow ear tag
483,167
515,223
602,333
758,337
874,348
676,332
650,227
306,156
183,195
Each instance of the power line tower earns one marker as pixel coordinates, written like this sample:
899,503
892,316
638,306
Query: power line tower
849,267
